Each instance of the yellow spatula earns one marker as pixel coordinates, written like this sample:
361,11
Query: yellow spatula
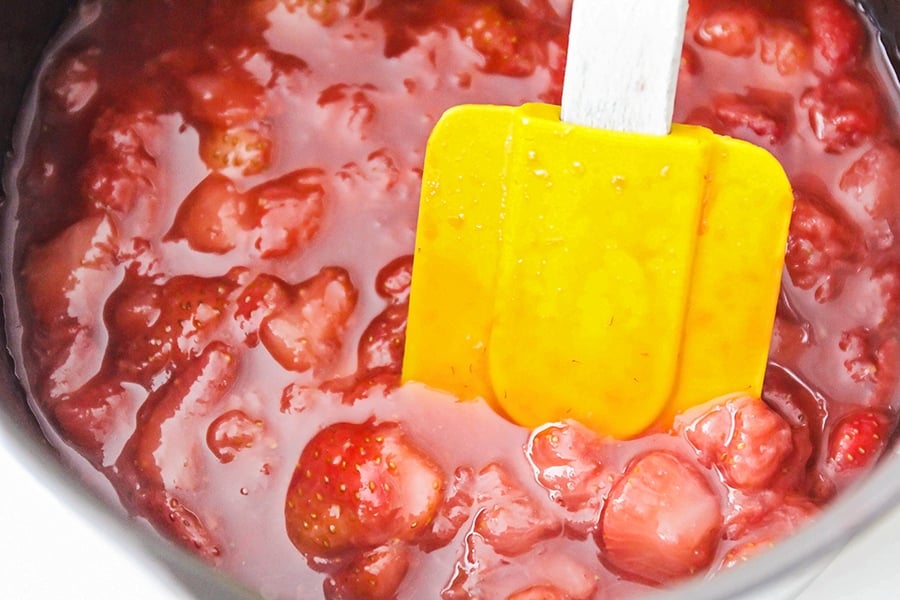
606,266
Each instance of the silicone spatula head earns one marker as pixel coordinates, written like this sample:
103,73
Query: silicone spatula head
567,271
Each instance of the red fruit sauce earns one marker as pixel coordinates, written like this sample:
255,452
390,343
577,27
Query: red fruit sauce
214,222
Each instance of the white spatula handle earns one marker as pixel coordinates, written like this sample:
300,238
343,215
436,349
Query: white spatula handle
623,63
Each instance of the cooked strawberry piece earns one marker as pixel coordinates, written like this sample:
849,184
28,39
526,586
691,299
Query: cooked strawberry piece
226,97
327,12
821,239
870,184
779,521
548,568
507,50
762,115
454,511
690,63
511,521
65,276
152,325
232,432
858,439
358,486
122,172
73,82
89,416
257,300
274,218
196,388
567,461
213,217
843,112
732,31
382,343
540,592
244,149
742,437
394,279
860,362
155,455
308,333
563,579
297,398
837,33
802,409
287,212
374,575
785,46
661,521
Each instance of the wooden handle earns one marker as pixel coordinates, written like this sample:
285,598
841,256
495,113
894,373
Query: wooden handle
623,63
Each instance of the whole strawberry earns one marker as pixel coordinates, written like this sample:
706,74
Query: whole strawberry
357,486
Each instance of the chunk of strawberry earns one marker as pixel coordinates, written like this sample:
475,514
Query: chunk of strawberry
540,592
499,38
382,343
393,280
308,332
256,301
454,511
157,460
858,439
556,576
358,486
272,219
244,149
870,186
232,432
375,575
757,115
198,386
732,31
821,239
860,361
661,521
122,171
155,325
89,416
65,277
837,33
742,437
213,217
328,12
287,212
775,525
843,112
567,461
225,97
785,46
72,82
511,521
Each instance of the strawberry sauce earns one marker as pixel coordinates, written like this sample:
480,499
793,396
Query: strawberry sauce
214,221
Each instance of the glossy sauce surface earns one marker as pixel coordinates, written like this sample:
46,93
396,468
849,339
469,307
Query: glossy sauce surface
216,221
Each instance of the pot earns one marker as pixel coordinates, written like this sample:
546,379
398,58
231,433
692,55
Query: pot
779,573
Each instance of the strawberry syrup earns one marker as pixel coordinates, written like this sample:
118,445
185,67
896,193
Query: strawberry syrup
213,213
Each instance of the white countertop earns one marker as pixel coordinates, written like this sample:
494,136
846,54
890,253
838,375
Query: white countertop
49,551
